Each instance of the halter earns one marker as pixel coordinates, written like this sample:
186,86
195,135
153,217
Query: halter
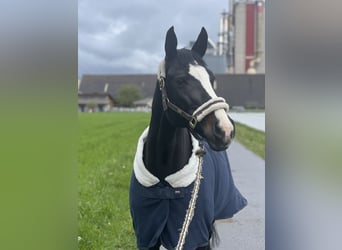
193,119
198,115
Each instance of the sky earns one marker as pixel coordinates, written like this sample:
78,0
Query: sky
127,36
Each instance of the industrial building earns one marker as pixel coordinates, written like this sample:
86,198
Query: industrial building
237,59
242,37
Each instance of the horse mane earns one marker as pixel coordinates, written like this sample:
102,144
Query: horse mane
186,56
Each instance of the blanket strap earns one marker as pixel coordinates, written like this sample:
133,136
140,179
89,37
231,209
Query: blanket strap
192,203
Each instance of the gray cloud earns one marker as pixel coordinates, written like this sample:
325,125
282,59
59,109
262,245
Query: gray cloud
128,36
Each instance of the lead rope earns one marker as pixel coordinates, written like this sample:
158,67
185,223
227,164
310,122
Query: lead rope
192,204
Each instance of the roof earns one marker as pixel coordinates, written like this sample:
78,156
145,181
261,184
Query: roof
238,89
96,83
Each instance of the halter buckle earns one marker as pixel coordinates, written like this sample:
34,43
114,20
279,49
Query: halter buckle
193,122
161,83
165,101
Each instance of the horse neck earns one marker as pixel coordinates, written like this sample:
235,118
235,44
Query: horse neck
167,148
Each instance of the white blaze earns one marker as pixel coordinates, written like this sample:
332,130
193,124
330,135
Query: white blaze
201,74
224,122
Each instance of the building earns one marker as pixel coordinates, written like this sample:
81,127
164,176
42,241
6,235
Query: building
98,92
102,90
216,62
242,37
95,102
237,60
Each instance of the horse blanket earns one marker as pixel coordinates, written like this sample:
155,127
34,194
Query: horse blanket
158,207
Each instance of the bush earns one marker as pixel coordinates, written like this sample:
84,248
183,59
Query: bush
127,94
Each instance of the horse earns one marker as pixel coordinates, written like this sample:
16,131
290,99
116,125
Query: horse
186,113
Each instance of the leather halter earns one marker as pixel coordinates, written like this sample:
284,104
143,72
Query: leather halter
200,113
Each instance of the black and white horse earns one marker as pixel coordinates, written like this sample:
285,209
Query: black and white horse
185,110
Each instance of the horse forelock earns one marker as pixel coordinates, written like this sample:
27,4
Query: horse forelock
186,57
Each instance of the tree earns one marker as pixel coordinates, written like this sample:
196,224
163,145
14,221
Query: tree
127,94
91,107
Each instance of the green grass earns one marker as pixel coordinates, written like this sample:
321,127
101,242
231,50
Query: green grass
251,138
107,144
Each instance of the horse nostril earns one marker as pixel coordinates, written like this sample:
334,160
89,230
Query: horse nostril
232,134
220,133
217,130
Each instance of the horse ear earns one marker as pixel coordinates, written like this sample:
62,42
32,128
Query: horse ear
170,44
201,43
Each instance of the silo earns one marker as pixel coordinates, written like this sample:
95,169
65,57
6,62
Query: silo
223,34
240,37
260,37
250,42
230,44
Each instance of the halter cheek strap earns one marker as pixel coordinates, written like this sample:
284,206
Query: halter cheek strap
198,115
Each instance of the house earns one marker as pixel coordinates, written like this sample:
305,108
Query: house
98,92
101,91
146,102
94,102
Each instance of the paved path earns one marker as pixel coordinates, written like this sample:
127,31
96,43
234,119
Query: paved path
252,119
246,230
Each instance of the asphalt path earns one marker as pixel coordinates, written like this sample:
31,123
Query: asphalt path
246,230
252,119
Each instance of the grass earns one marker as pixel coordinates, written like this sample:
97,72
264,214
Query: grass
107,145
251,138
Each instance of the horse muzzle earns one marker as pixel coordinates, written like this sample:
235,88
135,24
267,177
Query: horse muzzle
218,130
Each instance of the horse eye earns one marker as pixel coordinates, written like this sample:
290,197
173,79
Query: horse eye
181,81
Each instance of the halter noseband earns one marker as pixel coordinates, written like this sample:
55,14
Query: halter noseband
198,115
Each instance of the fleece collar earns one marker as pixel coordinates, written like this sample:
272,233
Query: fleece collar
182,178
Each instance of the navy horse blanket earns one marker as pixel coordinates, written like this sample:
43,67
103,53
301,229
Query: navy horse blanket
158,207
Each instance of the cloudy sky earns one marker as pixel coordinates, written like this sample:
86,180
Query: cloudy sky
127,36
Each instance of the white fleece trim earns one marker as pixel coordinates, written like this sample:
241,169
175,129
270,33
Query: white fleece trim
181,178
144,177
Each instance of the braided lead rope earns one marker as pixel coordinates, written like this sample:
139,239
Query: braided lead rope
192,204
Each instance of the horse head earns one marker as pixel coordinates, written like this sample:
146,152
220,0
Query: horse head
189,99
